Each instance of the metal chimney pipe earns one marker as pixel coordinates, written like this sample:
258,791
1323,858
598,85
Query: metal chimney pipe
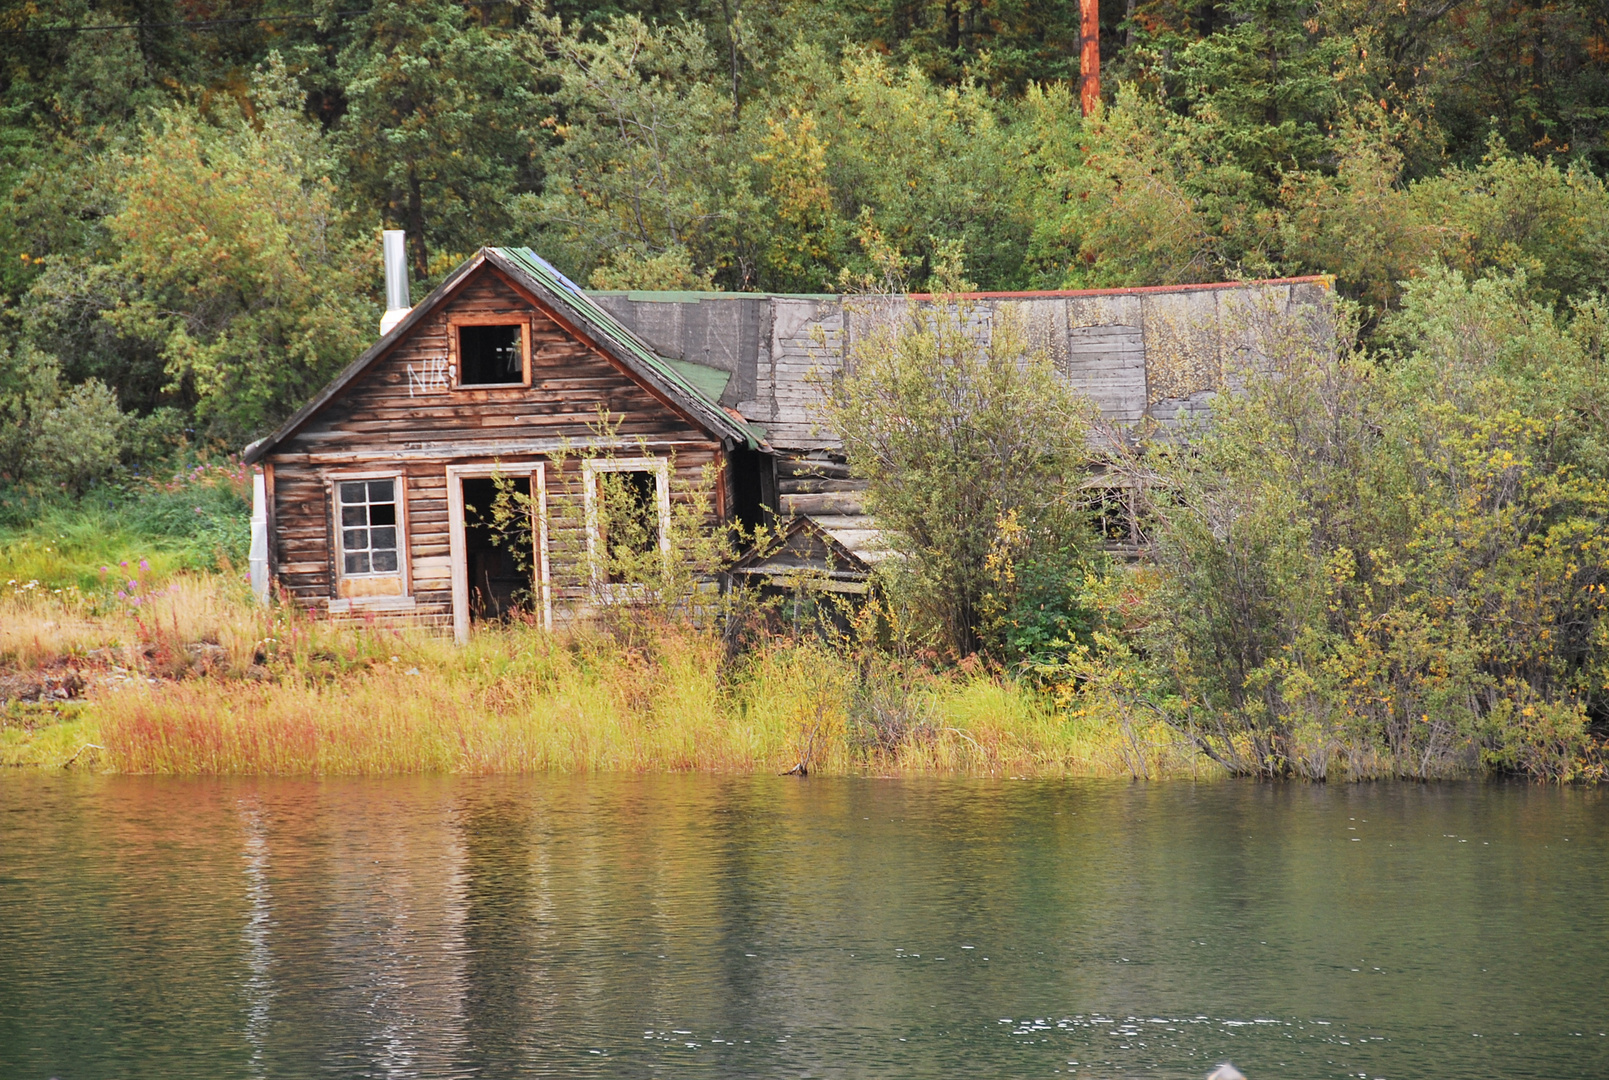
398,299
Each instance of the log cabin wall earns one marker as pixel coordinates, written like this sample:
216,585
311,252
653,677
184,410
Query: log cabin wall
404,417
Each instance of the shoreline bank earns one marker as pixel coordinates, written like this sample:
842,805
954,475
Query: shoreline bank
195,680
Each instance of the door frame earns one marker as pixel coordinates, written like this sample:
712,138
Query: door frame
458,551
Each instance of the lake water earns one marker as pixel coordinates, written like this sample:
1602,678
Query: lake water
778,927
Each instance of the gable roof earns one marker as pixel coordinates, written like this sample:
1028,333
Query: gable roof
575,311
804,545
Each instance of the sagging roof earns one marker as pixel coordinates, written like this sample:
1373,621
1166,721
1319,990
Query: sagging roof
573,307
808,556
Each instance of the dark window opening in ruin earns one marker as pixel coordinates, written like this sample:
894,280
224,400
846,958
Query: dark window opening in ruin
629,526
498,556
1119,518
490,355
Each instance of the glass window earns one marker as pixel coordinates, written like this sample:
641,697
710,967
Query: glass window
368,526
489,355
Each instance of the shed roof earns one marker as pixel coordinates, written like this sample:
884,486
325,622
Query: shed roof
574,308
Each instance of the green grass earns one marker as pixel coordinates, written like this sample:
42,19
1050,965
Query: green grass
138,590
198,680
50,736
195,520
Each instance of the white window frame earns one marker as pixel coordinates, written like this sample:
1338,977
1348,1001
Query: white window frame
338,603
592,470
458,551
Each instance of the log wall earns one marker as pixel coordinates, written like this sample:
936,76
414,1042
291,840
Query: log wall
403,415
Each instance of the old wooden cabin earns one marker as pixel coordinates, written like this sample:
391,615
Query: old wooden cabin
372,498
375,492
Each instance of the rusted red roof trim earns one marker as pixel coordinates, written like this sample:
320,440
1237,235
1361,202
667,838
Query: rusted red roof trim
1327,280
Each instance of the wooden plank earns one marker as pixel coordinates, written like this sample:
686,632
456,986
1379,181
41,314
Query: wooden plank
847,503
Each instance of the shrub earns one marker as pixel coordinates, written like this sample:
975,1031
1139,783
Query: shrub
959,435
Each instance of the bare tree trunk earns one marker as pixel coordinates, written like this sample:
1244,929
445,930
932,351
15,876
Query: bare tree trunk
1089,56
416,225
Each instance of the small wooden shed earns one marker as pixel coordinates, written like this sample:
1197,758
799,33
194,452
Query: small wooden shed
806,557
371,491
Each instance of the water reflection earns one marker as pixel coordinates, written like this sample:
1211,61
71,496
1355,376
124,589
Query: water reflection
630,926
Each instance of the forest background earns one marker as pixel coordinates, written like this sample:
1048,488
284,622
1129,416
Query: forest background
189,250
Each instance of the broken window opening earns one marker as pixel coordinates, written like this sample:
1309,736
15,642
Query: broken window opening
490,355
629,525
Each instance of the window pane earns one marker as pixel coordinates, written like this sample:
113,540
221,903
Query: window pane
353,492
357,562
354,515
355,539
383,538
385,561
380,491
382,513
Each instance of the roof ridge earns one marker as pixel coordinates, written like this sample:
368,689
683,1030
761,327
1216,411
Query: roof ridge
550,276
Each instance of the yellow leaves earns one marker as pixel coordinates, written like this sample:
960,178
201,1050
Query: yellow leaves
797,157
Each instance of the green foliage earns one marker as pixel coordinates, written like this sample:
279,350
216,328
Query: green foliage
1036,608
440,128
196,519
234,267
63,437
644,165
959,439
865,142
1397,564
1146,196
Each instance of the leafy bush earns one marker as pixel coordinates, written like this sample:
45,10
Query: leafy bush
1397,562
959,438
197,519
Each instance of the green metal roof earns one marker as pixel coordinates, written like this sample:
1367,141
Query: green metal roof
710,381
545,273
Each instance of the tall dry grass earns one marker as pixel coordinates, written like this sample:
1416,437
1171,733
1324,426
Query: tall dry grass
195,679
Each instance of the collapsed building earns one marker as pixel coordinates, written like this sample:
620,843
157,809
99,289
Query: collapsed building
370,499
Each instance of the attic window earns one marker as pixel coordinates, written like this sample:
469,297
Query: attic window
491,355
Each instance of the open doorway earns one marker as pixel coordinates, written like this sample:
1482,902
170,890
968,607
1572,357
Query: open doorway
497,571
502,579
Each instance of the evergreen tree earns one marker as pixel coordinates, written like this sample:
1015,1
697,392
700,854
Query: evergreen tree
440,124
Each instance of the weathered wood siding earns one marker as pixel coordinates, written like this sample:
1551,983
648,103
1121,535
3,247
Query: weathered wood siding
1152,353
403,415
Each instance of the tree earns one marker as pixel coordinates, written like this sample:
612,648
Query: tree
644,179
927,165
961,431
233,260
440,128
1396,564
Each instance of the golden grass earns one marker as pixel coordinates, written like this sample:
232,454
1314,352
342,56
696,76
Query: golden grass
197,680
